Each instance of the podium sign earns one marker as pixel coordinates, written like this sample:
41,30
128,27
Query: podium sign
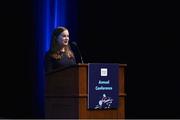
103,85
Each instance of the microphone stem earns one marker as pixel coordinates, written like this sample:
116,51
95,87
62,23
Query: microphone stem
82,60
80,55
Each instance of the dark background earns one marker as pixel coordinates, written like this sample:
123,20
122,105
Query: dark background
142,35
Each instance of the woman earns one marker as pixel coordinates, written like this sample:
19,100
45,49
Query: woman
60,53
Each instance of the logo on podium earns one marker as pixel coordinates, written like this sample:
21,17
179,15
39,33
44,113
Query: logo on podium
103,85
104,72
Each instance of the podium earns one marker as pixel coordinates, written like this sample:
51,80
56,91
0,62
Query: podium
66,95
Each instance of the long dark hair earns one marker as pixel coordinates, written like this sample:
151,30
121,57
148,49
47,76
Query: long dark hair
55,47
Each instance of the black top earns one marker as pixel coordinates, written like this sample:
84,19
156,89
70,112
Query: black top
53,64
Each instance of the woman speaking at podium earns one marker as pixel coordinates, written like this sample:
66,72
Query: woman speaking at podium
60,53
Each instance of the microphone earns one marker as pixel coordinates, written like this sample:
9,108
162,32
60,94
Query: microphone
75,44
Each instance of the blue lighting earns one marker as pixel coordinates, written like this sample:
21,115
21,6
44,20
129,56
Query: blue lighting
48,14
47,24
54,15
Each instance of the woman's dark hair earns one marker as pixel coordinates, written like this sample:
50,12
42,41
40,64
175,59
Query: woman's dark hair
54,43
54,46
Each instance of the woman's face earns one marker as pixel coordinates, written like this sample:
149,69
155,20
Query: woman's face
63,38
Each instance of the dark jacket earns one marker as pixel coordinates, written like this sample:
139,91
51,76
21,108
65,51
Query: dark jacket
53,64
